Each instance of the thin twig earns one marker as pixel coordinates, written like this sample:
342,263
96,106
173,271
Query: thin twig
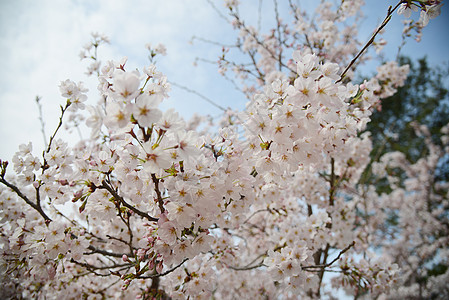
250,266
211,3
89,266
165,273
103,252
36,206
211,42
124,203
254,213
278,29
199,95
260,43
41,119
384,23
322,266
116,239
63,110
92,269
160,201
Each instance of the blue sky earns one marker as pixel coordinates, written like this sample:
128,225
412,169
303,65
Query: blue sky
40,42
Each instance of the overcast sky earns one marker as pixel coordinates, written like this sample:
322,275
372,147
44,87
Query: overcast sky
40,43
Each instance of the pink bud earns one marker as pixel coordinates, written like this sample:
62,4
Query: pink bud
51,271
159,267
162,219
141,254
125,258
151,265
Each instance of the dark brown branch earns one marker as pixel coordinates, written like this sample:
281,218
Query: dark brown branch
103,252
36,206
322,266
333,187
250,266
130,232
160,201
321,271
89,266
117,239
124,203
333,183
63,110
93,269
384,23
165,273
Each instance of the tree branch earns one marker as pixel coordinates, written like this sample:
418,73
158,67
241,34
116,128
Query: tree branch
165,273
41,119
158,192
384,23
248,266
103,252
124,203
36,206
322,266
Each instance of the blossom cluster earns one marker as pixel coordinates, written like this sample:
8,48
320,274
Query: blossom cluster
263,207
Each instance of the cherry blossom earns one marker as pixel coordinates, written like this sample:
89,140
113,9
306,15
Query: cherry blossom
268,203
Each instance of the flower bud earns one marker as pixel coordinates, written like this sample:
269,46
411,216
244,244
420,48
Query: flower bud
159,267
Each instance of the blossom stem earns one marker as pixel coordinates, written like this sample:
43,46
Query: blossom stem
323,266
41,119
199,95
160,201
124,203
371,40
103,252
165,273
36,206
63,110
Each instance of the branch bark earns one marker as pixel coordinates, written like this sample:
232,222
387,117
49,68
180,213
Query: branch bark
36,205
371,40
107,187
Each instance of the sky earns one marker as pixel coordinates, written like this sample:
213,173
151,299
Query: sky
40,43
